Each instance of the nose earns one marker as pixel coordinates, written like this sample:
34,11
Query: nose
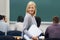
31,9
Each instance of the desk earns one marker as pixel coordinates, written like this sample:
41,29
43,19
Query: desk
17,37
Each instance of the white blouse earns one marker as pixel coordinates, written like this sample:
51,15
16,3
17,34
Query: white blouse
28,21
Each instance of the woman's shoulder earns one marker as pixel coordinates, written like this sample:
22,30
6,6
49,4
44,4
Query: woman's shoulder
27,15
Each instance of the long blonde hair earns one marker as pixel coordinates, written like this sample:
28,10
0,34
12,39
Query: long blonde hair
33,3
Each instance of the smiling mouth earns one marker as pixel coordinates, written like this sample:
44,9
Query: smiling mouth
31,10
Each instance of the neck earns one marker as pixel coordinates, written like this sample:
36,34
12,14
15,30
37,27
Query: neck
31,14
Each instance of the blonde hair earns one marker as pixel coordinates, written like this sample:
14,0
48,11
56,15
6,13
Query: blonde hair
31,3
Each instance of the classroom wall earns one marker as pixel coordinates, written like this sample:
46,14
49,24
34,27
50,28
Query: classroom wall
4,8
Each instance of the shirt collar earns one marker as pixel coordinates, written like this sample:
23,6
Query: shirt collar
55,24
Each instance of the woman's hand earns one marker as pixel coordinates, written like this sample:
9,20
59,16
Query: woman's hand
35,38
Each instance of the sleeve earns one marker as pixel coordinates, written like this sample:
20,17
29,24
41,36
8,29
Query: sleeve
27,23
7,27
46,34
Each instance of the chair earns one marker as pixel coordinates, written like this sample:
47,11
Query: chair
14,33
20,19
2,33
52,39
7,38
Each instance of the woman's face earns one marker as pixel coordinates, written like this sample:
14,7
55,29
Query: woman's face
31,9
5,19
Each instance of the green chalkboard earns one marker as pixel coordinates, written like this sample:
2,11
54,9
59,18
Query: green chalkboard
46,9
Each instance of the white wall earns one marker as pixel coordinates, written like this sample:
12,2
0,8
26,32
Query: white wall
4,8
43,27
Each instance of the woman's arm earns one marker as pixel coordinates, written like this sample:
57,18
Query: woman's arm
27,24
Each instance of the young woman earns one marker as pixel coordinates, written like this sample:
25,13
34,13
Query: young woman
30,19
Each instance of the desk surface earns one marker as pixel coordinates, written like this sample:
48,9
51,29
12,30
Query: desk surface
17,37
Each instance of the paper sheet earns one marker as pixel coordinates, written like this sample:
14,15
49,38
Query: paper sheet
34,31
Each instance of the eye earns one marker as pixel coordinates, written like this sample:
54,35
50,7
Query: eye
29,7
32,7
